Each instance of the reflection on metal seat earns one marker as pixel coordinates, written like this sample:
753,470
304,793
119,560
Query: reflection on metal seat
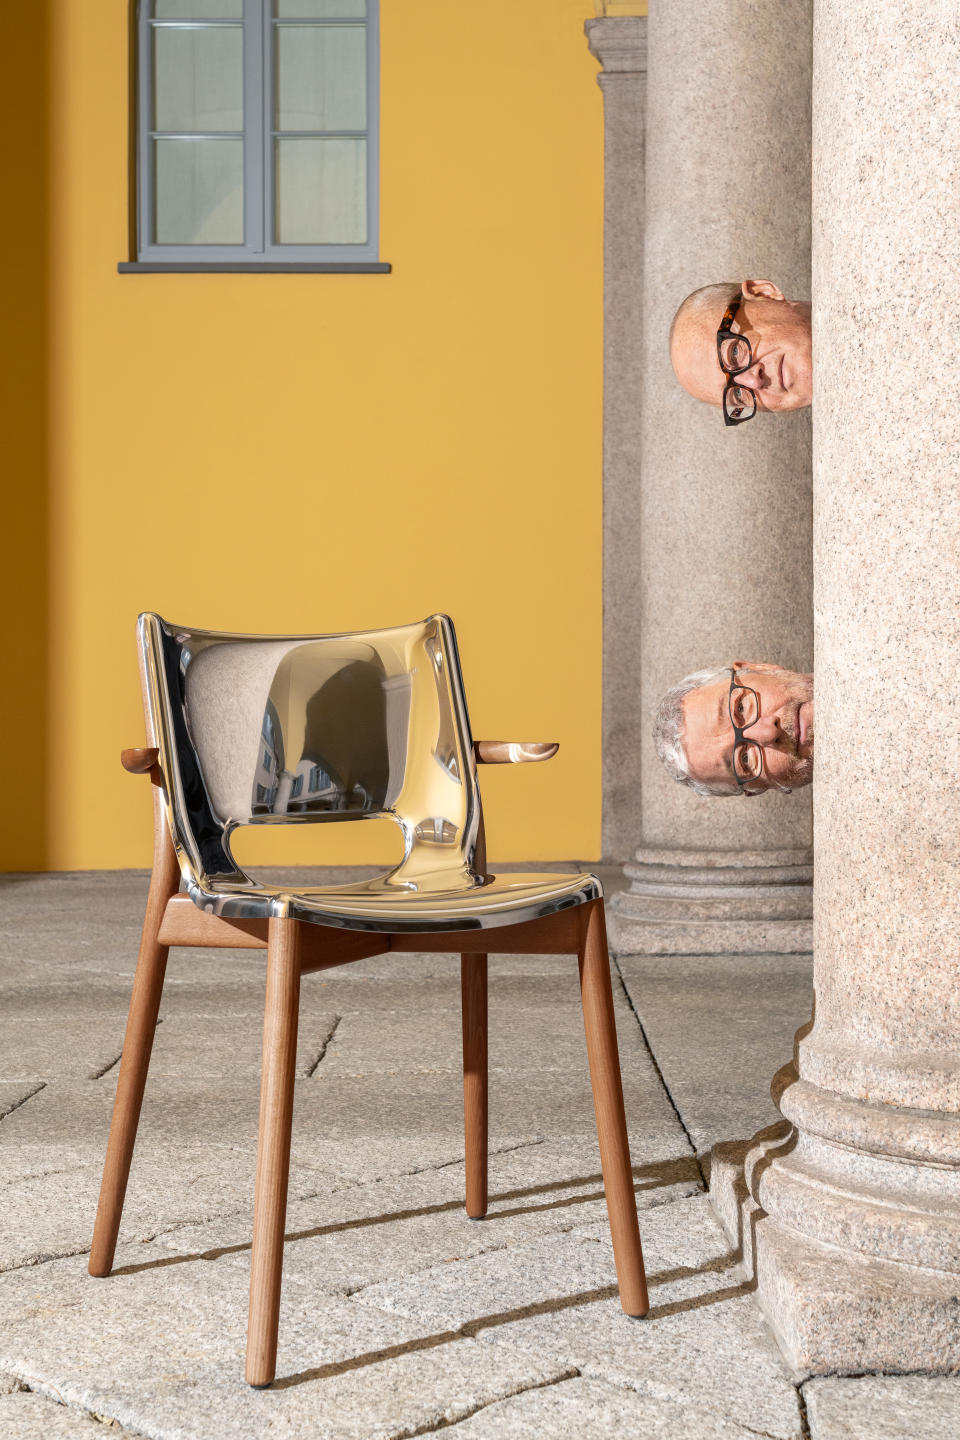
264,730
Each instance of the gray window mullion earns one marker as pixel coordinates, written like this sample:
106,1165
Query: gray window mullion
145,183
269,112
253,126
373,126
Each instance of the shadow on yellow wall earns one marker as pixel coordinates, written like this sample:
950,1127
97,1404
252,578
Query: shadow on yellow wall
25,733
297,453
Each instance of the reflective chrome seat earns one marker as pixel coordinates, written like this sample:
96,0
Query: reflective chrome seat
435,905
263,730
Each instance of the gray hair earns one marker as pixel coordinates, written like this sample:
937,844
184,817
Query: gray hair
708,297
668,731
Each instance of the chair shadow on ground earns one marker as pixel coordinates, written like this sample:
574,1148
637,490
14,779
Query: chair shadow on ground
647,1177
472,1328
682,1169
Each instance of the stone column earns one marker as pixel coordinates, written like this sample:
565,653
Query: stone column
725,529
620,44
852,1219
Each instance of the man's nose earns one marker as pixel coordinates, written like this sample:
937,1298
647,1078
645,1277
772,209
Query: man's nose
755,378
765,730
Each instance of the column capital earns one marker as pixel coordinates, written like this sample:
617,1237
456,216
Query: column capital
619,42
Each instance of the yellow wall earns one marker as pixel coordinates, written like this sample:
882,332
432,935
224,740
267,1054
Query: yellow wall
308,452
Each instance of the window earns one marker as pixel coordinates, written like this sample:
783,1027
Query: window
319,779
257,134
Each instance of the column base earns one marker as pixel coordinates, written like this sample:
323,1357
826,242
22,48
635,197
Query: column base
833,1309
684,902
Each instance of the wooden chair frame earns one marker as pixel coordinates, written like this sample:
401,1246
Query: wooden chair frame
295,948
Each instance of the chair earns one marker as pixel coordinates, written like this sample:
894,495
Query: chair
265,730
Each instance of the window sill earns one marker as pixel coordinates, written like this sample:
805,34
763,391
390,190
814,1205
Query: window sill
240,267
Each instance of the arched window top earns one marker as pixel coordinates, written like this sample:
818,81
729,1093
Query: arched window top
257,134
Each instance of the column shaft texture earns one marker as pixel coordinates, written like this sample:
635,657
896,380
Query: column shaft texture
725,535
620,44
855,1201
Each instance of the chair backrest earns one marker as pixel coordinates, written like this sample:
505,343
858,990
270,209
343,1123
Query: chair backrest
270,730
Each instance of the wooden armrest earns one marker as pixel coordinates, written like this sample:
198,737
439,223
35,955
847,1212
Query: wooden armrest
139,761
513,752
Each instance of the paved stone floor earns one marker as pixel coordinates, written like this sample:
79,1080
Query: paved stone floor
400,1317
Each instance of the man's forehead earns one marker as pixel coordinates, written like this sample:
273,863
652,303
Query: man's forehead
707,736
695,353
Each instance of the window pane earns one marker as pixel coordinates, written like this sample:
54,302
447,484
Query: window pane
319,9
198,9
321,190
199,192
198,78
321,77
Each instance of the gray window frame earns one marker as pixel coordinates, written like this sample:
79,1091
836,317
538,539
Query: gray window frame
259,251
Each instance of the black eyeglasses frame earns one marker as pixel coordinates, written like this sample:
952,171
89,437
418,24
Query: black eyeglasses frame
724,333
738,736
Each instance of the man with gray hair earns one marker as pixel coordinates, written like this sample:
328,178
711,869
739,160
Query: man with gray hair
738,729
743,347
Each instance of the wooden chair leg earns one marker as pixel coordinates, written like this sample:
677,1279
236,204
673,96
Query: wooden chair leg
473,991
273,1147
601,1031
135,1060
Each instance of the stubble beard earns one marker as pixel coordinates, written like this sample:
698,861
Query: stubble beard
799,688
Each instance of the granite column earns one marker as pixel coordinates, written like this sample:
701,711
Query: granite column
849,1211
725,531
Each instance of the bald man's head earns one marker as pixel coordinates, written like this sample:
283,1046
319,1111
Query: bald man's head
774,353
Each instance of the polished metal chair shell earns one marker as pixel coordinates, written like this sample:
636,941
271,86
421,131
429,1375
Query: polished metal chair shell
264,731
267,730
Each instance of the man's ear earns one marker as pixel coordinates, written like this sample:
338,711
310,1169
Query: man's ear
768,667
754,289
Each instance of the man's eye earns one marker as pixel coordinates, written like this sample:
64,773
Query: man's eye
738,711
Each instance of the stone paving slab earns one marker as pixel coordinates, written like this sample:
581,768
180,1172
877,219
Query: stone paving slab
195,1158
13,1093
356,1236
535,1023
198,995
60,1048
162,1353
443,966
591,1410
704,1341
74,1118
25,1416
210,1046
743,1010
42,996
547,1103
50,1212
884,1407
401,987
105,957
